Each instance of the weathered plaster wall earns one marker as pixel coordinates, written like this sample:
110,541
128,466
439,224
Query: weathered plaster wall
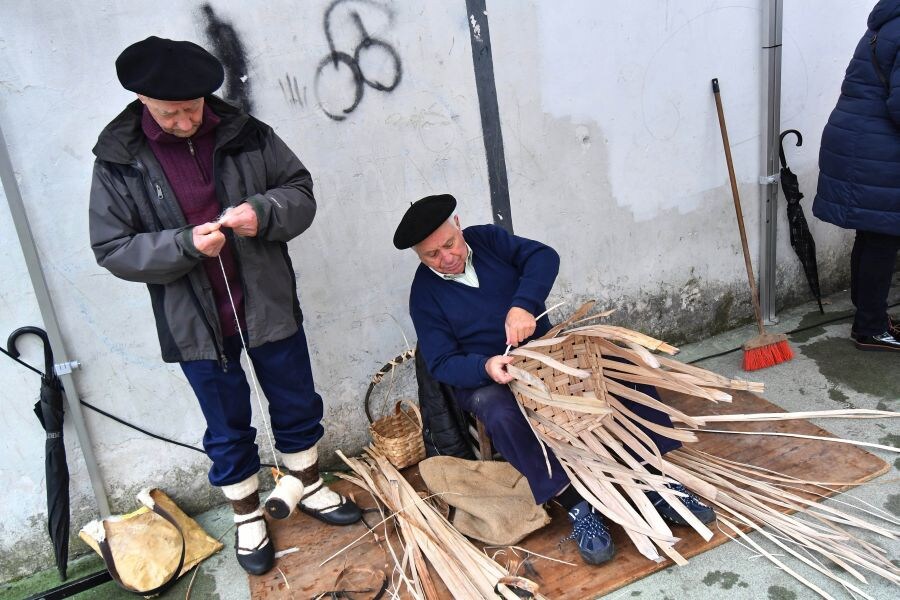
614,151
611,143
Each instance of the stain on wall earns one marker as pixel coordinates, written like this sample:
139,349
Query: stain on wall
227,47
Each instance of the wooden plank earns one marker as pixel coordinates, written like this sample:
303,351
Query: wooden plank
299,574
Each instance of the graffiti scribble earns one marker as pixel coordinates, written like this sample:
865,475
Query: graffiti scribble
341,78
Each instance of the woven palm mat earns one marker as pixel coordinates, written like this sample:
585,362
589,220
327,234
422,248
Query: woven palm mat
299,576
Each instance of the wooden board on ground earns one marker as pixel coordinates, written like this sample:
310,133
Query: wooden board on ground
300,574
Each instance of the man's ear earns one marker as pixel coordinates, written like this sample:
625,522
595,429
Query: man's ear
142,98
456,220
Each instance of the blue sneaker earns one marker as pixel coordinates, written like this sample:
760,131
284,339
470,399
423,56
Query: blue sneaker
704,513
590,533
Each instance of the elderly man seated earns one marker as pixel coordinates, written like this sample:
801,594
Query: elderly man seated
477,291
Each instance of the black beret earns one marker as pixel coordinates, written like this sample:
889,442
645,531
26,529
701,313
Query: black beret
422,218
169,69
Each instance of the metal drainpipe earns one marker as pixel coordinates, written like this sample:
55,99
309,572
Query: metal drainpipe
771,127
48,313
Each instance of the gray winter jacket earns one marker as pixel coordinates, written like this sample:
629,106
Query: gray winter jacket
139,233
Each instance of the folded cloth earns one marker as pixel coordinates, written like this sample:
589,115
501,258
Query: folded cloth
491,500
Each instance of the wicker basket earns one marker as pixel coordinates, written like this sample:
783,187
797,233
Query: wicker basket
399,435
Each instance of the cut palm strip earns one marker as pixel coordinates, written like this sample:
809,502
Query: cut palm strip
427,537
571,385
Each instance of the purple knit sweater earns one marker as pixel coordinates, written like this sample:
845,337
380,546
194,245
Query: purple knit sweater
188,165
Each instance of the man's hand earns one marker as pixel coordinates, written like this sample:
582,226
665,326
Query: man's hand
520,325
208,239
241,219
496,368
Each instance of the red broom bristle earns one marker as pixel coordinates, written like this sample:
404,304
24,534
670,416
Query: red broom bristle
767,356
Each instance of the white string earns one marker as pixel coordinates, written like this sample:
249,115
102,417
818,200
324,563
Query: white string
554,307
262,411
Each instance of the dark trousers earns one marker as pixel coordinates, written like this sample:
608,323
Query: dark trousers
871,268
295,409
496,407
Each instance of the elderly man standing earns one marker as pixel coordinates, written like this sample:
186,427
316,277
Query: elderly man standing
476,291
166,169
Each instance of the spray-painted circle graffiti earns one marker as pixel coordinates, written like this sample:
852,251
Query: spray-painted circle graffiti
339,94
377,45
335,61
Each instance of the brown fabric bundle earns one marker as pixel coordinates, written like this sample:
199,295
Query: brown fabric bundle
492,500
145,551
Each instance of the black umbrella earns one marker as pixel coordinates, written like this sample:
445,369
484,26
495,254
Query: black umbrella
801,239
49,411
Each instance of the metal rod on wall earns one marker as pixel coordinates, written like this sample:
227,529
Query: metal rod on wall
771,127
51,324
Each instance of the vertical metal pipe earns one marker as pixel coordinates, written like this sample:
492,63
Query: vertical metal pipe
48,313
771,126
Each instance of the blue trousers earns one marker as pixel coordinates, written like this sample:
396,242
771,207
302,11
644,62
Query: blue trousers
871,269
295,409
496,407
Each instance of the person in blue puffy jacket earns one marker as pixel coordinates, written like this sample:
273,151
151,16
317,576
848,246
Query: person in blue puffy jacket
859,174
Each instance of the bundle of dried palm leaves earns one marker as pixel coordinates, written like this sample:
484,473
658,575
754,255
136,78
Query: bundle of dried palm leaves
570,384
426,534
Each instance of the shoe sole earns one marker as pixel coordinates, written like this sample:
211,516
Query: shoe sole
874,347
325,519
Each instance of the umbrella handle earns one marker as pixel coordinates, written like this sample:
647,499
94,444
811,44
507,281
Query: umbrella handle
48,350
781,144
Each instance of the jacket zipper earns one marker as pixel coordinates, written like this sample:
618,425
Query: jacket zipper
223,360
193,152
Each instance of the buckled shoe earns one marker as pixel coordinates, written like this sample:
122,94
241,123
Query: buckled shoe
260,558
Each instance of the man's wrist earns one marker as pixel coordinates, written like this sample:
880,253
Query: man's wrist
185,238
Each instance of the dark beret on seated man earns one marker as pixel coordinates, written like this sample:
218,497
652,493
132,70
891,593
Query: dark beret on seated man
476,291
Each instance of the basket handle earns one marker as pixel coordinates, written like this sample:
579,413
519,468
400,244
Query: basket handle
414,408
376,379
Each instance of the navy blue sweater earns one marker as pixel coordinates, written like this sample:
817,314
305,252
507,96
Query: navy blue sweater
459,327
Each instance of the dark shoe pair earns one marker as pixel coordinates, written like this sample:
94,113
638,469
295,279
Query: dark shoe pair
257,560
884,342
704,513
590,533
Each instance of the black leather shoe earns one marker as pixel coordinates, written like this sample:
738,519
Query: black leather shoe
258,560
344,513
884,342
590,533
704,513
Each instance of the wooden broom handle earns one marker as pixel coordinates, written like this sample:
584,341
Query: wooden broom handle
754,295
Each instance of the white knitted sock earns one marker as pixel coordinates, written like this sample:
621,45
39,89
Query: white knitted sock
297,461
323,499
241,489
250,535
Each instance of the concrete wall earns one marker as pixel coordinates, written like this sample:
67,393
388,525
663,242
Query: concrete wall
613,156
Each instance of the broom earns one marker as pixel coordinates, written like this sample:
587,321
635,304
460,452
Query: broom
766,349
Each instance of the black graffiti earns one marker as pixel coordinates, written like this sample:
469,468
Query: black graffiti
291,90
337,60
229,49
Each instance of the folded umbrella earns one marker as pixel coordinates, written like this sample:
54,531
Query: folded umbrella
801,239
49,411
